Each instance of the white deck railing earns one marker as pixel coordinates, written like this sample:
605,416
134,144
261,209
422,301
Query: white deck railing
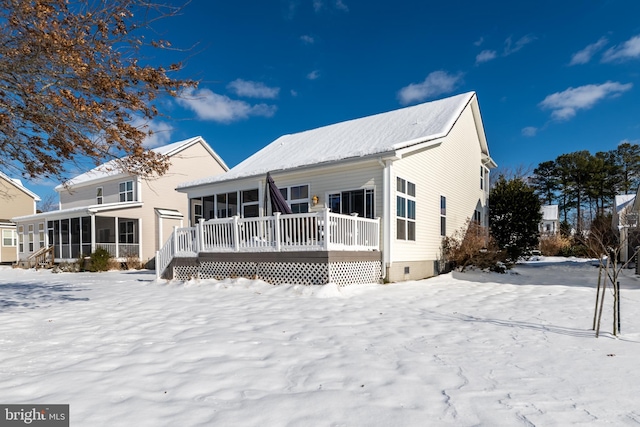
121,250
314,231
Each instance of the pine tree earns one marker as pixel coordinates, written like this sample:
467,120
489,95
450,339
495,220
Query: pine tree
514,216
545,181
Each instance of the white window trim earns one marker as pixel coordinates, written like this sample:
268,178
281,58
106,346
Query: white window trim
100,195
132,191
13,237
406,196
302,201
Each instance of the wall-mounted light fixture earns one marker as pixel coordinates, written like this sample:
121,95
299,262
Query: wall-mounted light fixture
314,200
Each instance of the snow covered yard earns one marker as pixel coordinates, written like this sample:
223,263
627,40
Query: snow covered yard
461,349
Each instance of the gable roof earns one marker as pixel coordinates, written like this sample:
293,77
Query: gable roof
549,212
623,200
378,135
109,170
18,184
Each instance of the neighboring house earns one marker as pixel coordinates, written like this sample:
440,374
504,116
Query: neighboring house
422,170
550,223
625,221
125,214
15,200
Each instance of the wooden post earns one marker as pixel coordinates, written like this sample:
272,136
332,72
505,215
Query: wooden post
276,231
175,240
618,304
327,228
200,236
595,311
236,234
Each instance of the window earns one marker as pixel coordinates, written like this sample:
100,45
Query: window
443,216
250,203
9,238
352,202
126,191
30,237
126,232
99,195
477,217
41,241
297,198
21,238
226,205
405,210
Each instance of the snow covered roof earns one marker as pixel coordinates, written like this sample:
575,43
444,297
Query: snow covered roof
380,134
109,169
623,200
549,212
18,184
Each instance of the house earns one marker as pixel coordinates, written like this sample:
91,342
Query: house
414,175
625,222
550,223
127,215
15,200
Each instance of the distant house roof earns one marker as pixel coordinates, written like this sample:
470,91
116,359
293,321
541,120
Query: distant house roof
623,200
549,212
109,169
18,184
380,134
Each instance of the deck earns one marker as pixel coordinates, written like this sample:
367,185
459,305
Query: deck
248,246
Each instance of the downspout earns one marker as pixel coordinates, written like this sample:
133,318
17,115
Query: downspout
386,215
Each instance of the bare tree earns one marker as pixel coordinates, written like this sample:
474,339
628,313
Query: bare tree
48,203
603,243
73,84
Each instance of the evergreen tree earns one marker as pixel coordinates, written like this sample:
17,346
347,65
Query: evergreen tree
627,157
545,181
604,179
575,173
514,216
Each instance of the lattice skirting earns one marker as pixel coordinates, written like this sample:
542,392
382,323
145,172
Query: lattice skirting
277,273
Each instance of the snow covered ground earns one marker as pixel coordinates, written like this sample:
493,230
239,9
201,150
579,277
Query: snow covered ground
462,349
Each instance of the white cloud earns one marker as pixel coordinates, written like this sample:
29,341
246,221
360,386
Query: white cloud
220,108
306,39
436,83
629,50
479,41
161,131
315,74
318,5
341,6
294,93
529,131
251,89
510,47
585,55
485,56
564,105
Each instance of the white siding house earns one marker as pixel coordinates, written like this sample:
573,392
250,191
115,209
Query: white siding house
127,215
625,222
422,170
15,199
550,223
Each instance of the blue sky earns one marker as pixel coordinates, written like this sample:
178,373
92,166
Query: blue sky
552,77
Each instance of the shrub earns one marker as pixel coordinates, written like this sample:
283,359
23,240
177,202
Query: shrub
554,245
472,246
100,260
132,262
